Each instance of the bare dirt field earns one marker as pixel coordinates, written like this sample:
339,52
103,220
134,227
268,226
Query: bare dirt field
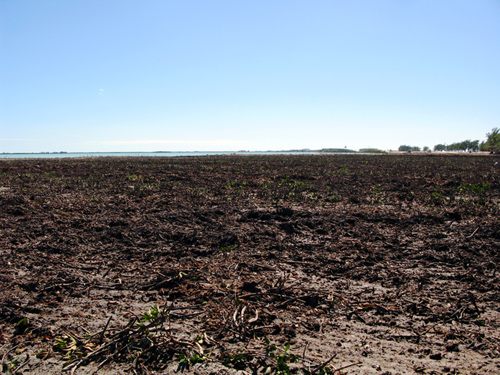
313,264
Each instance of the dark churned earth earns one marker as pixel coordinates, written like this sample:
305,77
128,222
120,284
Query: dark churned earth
316,264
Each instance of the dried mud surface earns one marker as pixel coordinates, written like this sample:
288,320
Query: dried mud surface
312,264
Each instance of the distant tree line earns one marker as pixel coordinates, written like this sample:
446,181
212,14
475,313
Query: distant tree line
493,140
408,148
467,145
492,143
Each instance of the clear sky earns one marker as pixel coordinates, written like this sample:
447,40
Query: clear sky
246,75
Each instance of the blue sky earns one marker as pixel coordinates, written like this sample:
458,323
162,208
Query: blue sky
254,75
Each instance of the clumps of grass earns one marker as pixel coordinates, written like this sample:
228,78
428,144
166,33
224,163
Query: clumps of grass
377,195
147,345
439,199
144,341
186,361
282,359
470,198
12,364
273,360
268,360
22,327
227,249
477,191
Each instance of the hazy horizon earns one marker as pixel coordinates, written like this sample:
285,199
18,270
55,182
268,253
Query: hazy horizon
130,76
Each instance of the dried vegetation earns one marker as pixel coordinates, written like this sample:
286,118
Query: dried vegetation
318,264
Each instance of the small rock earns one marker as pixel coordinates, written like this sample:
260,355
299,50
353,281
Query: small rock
436,356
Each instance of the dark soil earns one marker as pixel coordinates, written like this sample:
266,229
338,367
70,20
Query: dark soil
312,264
